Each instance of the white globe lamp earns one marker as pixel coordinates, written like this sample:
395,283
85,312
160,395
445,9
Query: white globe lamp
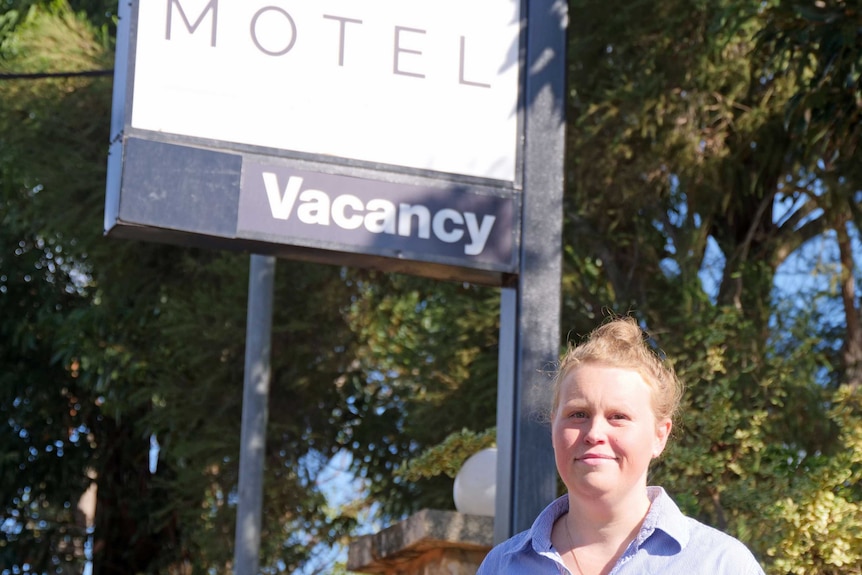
475,488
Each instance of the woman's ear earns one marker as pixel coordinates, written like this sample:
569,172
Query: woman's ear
662,432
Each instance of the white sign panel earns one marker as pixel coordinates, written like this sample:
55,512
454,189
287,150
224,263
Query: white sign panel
430,84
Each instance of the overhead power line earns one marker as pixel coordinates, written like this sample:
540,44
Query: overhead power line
42,75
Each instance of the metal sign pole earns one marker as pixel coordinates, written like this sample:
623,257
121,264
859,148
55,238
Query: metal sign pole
530,311
254,414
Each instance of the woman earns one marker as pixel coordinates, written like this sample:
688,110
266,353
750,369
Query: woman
613,405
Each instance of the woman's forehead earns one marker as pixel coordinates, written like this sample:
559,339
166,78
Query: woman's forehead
605,381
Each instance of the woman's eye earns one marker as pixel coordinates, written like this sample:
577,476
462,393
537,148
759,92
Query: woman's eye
578,414
619,416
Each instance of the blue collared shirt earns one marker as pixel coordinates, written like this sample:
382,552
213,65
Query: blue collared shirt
668,543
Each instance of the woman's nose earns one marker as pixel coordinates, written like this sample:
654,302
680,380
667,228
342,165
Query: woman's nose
596,430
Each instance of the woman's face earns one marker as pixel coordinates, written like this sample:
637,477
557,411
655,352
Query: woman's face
605,432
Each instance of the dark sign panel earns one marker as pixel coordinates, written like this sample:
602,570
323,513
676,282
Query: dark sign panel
456,222
378,133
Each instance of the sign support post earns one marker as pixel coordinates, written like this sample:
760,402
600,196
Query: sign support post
530,311
254,414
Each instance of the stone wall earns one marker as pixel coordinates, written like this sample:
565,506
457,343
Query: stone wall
431,542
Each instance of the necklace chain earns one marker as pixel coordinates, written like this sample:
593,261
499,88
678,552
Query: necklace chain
572,548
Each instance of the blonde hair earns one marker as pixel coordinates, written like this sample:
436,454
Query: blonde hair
623,344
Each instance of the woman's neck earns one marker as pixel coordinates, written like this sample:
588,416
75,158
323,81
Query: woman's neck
597,522
593,535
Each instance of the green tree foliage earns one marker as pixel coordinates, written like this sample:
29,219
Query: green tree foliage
428,361
691,194
107,343
43,280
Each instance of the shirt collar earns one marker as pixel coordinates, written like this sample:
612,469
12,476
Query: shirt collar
539,535
663,515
